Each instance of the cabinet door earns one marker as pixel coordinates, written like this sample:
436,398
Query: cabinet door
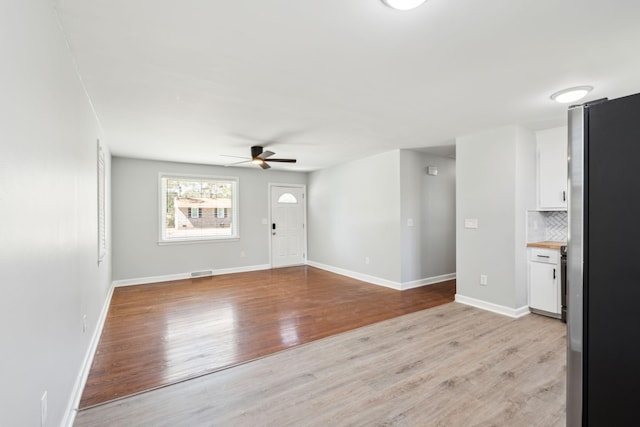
552,168
543,292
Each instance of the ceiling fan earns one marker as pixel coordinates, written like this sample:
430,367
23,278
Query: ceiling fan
261,157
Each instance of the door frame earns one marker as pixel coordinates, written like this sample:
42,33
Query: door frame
304,212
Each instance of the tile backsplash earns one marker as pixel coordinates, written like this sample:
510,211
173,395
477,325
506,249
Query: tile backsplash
556,225
546,225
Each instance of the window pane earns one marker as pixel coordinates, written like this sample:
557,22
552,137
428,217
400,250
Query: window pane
287,198
196,208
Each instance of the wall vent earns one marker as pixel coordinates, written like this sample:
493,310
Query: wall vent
202,273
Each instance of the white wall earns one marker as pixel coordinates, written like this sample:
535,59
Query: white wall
439,217
361,209
136,209
49,272
354,212
428,247
496,185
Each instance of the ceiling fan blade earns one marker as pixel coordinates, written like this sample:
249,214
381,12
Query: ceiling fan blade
263,165
237,157
281,160
238,163
265,154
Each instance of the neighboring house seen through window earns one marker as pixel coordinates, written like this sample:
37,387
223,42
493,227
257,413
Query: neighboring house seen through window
198,208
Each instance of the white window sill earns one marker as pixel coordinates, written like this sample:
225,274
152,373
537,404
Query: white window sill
197,241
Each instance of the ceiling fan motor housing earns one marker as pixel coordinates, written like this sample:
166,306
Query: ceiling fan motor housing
255,151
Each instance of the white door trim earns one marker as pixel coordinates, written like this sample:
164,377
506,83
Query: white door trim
304,190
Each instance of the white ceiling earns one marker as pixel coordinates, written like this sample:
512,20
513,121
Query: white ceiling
328,81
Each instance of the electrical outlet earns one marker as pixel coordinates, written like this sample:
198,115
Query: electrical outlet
84,323
483,279
43,408
367,260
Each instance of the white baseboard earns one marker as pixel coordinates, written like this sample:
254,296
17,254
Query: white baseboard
383,282
355,275
151,279
242,269
428,281
81,379
489,306
182,276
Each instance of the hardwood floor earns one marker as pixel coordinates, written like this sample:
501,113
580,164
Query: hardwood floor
451,365
164,333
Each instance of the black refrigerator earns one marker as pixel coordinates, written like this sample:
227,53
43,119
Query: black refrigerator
603,264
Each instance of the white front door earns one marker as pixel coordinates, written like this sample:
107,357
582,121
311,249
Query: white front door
288,233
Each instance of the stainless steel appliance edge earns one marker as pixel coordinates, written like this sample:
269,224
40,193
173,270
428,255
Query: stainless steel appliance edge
575,257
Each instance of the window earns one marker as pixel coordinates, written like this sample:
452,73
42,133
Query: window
198,208
287,198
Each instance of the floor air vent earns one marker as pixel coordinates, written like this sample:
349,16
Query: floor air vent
202,273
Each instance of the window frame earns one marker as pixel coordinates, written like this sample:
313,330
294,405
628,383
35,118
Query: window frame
162,206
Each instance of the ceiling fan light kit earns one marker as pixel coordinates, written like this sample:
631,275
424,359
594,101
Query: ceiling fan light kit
403,4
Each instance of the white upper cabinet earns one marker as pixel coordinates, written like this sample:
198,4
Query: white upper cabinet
552,168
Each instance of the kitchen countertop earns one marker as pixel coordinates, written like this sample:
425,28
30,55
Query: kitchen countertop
549,244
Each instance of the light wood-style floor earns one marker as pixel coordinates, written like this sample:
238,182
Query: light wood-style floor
451,365
163,333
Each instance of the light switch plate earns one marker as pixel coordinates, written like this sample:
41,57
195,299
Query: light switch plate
471,223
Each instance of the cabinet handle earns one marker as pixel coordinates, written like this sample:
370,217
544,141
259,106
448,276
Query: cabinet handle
564,196
554,273
542,256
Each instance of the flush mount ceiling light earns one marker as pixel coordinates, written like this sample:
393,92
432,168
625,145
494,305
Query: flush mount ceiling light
403,4
572,94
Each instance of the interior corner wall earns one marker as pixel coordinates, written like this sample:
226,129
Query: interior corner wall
410,215
136,219
494,179
428,215
354,214
525,200
48,222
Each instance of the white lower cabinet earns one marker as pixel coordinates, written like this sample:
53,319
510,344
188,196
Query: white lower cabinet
544,281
